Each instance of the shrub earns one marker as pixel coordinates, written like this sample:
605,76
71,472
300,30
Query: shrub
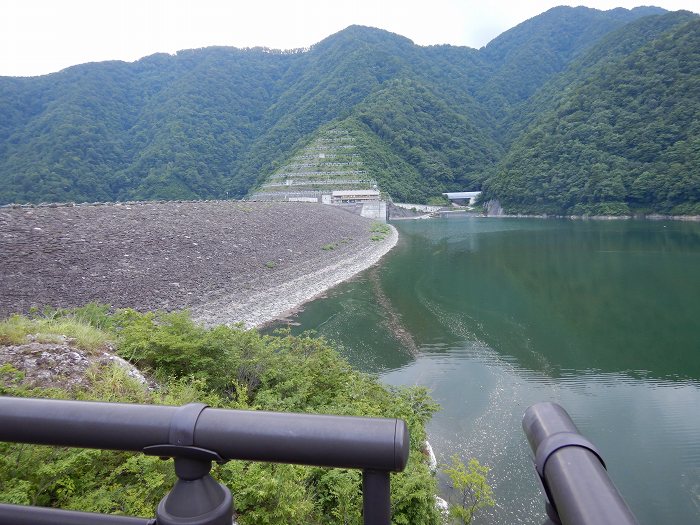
226,367
471,487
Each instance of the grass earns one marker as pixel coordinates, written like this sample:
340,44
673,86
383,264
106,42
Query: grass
329,246
224,367
379,231
15,329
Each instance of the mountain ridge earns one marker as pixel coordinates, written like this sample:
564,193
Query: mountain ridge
216,122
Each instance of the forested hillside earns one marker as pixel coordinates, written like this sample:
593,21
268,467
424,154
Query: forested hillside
576,110
623,138
526,57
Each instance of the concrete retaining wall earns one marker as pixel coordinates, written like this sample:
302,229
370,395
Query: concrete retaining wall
418,207
374,210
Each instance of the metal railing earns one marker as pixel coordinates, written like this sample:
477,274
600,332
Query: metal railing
578,490
195,435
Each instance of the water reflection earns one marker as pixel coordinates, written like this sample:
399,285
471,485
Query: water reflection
558,294
600,317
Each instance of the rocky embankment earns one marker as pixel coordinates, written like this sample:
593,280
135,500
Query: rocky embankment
226,261
57,362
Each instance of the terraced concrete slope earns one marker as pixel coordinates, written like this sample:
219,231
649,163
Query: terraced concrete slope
328,166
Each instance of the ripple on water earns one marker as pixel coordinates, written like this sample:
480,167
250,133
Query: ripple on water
484,395
647,430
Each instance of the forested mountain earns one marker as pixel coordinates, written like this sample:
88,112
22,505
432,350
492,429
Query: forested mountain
528,55
163,127
547,117
623,137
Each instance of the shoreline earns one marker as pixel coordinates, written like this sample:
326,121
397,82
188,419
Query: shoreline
286,297
224,261
679,218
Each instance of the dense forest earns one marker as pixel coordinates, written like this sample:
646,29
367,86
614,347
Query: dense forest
623,141
574,111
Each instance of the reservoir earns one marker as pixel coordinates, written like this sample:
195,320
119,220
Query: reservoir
493,315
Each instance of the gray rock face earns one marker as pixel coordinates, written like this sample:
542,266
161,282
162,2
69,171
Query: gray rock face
60,364
494,209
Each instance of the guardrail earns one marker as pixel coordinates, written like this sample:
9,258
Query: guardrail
578,490
195,435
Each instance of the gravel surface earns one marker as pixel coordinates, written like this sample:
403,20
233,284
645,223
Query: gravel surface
226,261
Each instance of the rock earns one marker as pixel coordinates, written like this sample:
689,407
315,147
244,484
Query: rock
212,249
443,507
55,362
494,209
432,460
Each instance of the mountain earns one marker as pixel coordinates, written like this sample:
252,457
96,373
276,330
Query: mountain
619,135
163,127
609,49
528,55
218,122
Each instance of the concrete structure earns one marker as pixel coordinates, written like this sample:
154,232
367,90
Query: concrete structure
462,198
342,196
303,199
329,171
427,208
374,210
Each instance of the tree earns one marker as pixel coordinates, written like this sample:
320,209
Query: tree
471,489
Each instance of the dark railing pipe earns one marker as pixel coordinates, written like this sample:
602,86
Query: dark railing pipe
195,435
308,439
22,515
576,484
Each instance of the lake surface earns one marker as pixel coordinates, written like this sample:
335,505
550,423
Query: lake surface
494,315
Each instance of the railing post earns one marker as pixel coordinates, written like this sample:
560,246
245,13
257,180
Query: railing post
577,487
196,498
376,497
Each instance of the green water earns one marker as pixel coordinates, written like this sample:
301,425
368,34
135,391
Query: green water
496,314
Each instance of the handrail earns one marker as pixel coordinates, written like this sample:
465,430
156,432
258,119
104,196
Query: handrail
577,487
195,435
309,439
23,515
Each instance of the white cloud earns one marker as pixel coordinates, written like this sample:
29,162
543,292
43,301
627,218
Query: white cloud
40,36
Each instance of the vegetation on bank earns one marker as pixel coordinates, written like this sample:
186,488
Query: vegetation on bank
379,231
471,489
226,367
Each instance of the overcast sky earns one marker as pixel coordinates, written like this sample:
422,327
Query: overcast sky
43,36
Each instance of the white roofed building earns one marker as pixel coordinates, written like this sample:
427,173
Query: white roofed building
340,196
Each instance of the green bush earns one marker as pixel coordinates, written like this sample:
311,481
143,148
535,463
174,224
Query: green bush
226,367
470,487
